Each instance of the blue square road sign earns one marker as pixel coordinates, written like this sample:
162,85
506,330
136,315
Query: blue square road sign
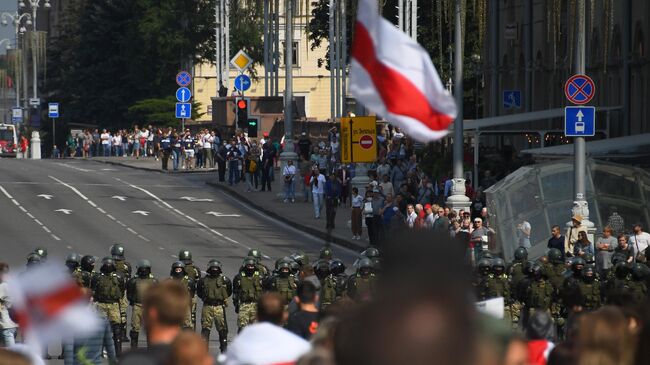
511,99
579,121
183,110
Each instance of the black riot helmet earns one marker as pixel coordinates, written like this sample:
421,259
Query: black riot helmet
249,265
589,274
117,251
108,265
639,272
72,261
621,270
178,269
618,257
42,252
33,259
325,253
284,269
185,256
589,259
521,254
144,268
300,258
88,263
295,267
322,269
337,267
371,253
498,266
280,260
555,256
256,254
577,265
486,255
365,267
484,266
214,268
537,271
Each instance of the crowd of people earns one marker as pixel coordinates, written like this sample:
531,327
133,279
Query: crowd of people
412,305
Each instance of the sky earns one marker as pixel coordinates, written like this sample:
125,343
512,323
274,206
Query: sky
8,6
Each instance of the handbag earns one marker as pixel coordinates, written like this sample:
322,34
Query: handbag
640,257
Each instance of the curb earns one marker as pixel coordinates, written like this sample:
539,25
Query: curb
305,228
118,163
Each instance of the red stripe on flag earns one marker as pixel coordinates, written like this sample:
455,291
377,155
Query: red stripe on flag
47,306
398,93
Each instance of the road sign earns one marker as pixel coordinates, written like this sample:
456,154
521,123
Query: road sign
358,139
53,110
183,110
579,89
16,115
242,83
579,121
183,78
34,101
183,94
241,61
512,99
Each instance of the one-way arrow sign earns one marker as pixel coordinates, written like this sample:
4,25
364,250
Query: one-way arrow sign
45,196
193,199
64,211
142,212
122,198
217,214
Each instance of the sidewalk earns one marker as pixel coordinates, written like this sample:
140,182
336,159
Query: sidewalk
143,163
299,214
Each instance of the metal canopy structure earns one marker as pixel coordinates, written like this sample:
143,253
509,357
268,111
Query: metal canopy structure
605,147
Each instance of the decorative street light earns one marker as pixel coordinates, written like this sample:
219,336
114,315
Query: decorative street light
8,42
34,4
20,29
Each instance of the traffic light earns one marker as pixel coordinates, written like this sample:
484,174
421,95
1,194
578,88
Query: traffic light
252,127
242,113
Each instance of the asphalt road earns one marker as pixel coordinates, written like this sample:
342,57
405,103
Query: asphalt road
84,207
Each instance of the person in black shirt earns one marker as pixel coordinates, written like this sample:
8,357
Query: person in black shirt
304,322
166,148
556,240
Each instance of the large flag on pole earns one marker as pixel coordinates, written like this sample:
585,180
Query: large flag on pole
393,76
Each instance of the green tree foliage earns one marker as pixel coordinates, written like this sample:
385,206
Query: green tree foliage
157,112
111,54
247,30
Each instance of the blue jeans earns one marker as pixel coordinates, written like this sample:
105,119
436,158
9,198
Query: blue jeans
118,150
233,172
177,157
8,336
318,203
290,189
106,148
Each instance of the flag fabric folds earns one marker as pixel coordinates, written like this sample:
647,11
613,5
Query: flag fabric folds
393,76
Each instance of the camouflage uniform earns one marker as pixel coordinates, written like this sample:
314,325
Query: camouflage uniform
123,269
135,289
214,290
247,290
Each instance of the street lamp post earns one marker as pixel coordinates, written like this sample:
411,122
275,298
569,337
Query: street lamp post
34,4
458,200
16,20
288,153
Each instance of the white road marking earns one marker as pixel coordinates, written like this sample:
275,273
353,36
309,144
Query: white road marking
90,202
6,193
197,222
69,247
45,196
141,212
74,167
119,197
217,214
110,216
64,211
193,199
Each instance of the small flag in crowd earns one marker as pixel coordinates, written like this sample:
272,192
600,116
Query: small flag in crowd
49,305
393,76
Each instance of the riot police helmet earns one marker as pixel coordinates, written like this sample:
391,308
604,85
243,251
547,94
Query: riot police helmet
498,266
88,263
34,259
42,252
555,256
337,267
249,265
589,274
325,253
117,251
537,271
214,267
322,269
484,266
185,256
178,269
255,253
284,269
521,254
144,268
108,265
371,253
72,261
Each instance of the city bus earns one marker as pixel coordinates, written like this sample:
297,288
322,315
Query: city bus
8,140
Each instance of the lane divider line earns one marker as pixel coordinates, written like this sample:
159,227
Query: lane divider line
180,213
102,211
6,193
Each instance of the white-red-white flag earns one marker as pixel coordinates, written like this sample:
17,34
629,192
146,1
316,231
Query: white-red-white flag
393,76
49,305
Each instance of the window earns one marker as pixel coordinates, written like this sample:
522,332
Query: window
209,109
295,54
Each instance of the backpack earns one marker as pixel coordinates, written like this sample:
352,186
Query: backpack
252,166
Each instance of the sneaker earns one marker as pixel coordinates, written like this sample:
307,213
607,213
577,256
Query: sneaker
293,200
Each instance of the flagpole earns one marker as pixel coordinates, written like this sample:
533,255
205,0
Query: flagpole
457,200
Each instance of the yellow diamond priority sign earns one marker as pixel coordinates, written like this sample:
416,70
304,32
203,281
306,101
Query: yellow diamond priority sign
241,61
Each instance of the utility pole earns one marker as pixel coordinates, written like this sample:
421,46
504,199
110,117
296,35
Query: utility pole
266,47
344,58
226,40
217,45
276,48
580,205
457,200
331,61
288,153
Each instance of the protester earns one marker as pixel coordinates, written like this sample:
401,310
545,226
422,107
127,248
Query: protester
289,176
189,349
571,236
8,327
355,218
605,246
557,239
304,322
317,183
86,350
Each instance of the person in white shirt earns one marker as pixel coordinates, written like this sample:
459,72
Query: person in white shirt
639,240
8,327
357,203
289,175
117,144
317,182
105,137
208,158
144,140
411,216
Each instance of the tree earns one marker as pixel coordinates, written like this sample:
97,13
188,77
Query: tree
158,112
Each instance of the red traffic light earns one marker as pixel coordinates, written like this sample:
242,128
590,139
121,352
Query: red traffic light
241,104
